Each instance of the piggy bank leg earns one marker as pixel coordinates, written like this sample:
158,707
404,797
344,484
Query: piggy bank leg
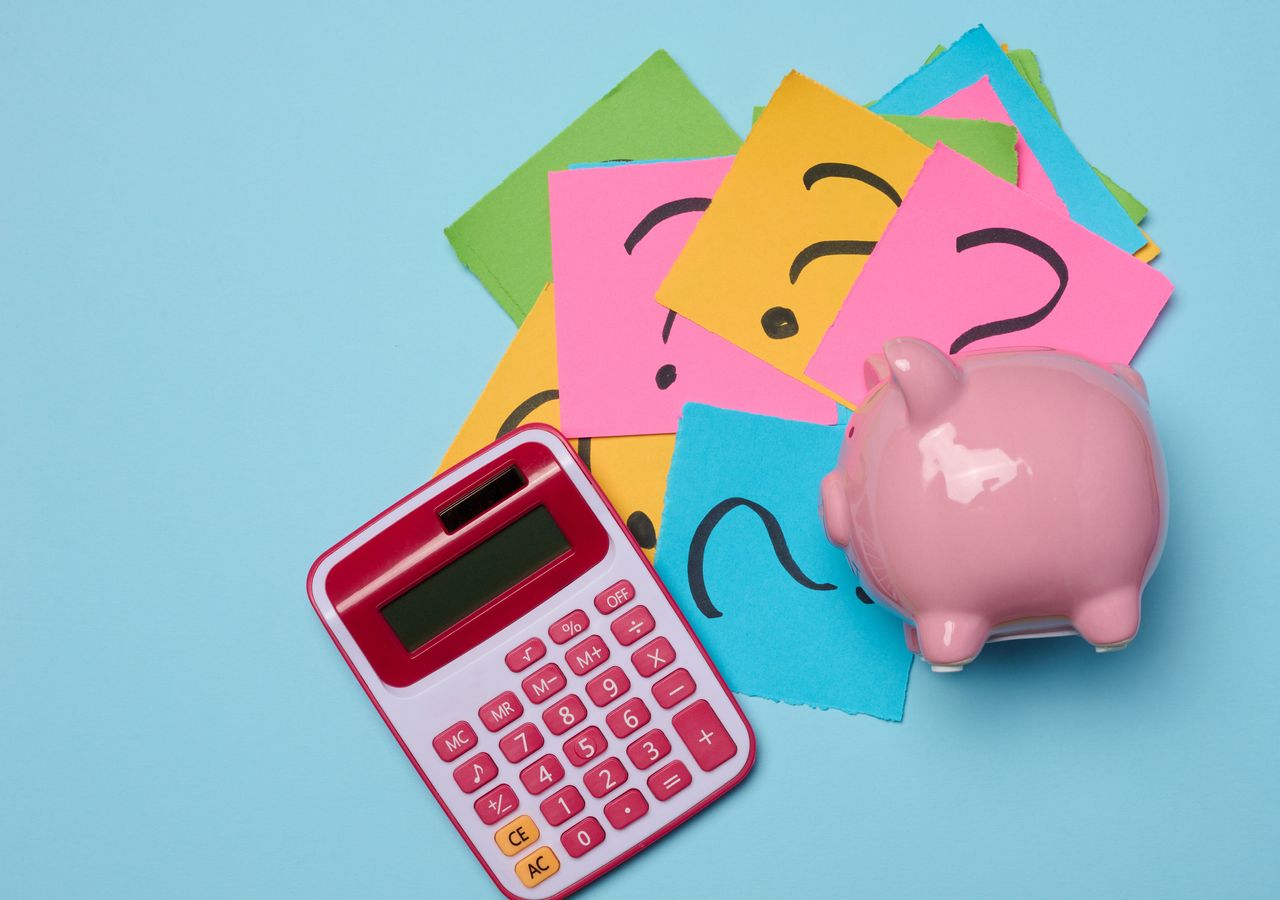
909,633
1109,621
949,640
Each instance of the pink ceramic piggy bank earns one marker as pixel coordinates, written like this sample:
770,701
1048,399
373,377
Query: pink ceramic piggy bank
1000,494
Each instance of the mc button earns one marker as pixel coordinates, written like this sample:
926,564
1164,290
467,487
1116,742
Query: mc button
537,867
515,836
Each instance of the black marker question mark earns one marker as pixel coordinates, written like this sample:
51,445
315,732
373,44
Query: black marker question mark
779,322
638,523
521,412
702,534
1033,245
666,374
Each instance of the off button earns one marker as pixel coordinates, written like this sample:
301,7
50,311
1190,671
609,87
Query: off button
516,835
537,867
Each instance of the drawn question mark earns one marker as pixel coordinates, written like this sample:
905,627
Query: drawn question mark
1033,245
666,374
638,523
702,534
780,322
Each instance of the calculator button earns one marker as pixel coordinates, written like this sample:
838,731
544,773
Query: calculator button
526,655
670,780
647,749
614,597
545,772
580,838
565,714
702,732
475,773
515,836
584,747
605,777
497,804
608,686
626,808
501,711
537,867
569,627
628,717
563,805
520,743
633,625
544,683
674,688
653,657
584,657
454,741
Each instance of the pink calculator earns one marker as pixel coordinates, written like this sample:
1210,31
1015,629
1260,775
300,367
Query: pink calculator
538,675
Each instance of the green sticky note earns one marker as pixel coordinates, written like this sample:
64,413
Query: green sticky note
1029,68
653,113
989,144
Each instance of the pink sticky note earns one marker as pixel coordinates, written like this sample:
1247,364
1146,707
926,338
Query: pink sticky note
626,364
980,101
972,262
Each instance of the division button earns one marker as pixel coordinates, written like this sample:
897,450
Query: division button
537,867
704,734
632,625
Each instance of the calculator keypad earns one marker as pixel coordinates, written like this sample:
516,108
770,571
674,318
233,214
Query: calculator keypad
624,673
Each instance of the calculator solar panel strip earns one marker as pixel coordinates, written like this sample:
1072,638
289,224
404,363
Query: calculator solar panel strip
564,720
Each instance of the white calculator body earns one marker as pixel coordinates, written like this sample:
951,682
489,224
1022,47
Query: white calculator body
527,658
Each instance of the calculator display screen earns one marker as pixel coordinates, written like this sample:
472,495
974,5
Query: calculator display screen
469,582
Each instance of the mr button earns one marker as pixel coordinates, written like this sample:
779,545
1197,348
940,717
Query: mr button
513,837
537,867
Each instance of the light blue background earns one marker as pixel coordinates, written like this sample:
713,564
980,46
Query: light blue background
231,330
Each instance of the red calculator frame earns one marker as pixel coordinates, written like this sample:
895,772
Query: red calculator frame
393,565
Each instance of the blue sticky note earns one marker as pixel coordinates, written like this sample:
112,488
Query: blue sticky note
977,54
743,552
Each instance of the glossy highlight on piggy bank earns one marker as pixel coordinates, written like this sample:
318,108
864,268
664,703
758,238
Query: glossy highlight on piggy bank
1000,494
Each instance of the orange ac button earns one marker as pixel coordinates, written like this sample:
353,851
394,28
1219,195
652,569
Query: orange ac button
537,867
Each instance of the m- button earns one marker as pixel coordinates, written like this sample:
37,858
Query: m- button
513,837
537,867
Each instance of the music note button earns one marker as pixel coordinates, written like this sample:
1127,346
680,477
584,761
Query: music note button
475,773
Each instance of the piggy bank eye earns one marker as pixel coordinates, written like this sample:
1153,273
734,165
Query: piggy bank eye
852,425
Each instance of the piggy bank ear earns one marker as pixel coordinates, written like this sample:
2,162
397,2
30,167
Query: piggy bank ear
1132,378
875,370
927,377
834,507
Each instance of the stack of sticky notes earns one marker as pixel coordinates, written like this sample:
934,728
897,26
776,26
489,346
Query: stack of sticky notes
695,311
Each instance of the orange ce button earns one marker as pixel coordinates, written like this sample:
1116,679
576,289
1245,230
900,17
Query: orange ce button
513,836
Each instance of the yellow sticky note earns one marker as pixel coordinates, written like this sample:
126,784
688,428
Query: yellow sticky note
1148,251
790,228
632,471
